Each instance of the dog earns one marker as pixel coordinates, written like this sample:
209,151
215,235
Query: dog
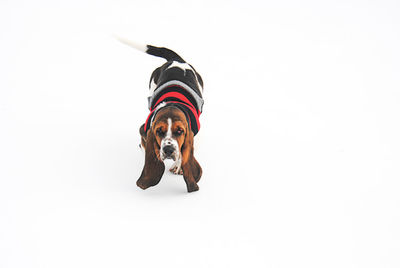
175,103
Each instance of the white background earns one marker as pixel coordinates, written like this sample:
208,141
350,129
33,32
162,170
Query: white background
299,142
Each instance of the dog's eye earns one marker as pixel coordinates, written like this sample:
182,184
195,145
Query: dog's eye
178,132
160,132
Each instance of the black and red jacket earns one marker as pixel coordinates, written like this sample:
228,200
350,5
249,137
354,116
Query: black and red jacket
178,94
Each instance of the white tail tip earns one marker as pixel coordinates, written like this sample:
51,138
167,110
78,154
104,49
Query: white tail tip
130,43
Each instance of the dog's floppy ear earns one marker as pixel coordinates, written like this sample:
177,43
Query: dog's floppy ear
153,167
190,167
143,136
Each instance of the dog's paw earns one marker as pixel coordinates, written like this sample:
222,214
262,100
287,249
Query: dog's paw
176,170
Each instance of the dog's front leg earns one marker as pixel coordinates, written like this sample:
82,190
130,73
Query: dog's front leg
176,167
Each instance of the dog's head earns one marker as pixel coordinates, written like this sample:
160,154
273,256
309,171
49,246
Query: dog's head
169,135
170,129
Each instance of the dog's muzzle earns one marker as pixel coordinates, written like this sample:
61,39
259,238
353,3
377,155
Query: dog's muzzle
169,152
169,149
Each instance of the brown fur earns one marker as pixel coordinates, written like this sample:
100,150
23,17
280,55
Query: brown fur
154,168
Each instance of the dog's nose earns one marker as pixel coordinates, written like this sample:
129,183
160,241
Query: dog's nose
168,150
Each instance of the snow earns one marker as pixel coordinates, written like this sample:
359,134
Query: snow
299,141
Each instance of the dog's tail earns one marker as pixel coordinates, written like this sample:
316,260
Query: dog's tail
162,52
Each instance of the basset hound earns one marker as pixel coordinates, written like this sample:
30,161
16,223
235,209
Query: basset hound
175,103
